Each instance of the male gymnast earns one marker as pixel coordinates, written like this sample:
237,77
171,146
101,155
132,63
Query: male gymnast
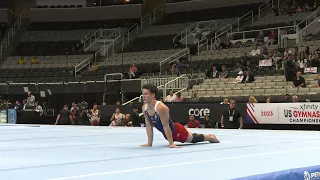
157,114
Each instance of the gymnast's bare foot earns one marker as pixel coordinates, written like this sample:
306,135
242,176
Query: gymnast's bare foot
212,138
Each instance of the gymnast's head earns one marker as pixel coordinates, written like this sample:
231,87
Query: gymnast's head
149,93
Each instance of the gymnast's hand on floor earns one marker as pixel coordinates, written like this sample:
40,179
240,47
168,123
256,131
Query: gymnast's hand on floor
174,146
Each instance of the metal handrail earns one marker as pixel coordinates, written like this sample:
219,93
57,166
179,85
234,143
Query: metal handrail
267,5
187,50
11,33
142,20
131,29
306,19
132,100
166,84
154,11
112,74
89,38
86,62
251,16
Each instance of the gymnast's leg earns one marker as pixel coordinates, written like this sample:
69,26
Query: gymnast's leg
195,138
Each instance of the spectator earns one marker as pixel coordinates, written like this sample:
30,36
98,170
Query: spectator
231,117
193,123
133,71
214,73
265,51
239,78
290,68
30,100
287,98
295,99
134,118
299,9
224,73
171,97
268,100
315,6
255,51
179,97
287,53
271,38
252,100
117,118
95,115
307,7
298,81
208,123
259,41
248,78
194,96
225,101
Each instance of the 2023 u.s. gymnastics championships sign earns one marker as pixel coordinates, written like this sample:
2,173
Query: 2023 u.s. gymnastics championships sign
284,113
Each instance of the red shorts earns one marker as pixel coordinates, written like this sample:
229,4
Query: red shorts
180,133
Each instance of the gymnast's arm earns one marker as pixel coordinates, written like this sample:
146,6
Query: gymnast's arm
163,112
149,129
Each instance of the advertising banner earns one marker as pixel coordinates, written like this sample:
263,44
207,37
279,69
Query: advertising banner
3,116
283,113
12,116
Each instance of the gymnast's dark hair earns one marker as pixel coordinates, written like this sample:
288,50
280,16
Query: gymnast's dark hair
152,88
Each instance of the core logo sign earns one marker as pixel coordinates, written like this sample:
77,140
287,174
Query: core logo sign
199,112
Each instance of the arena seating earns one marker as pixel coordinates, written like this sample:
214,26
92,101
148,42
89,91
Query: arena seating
3,28
270,20
57,38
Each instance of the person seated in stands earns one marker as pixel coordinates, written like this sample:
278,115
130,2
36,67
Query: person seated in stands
226,43
179,97
255,52
307,7
38,108
272,38
194,96
117,118
248,78
265,51
35,60
171,97
293,7
295,99
315,6
299,9
94,67
133,71
239,78
95,115
259,41
213,73
208,123
21,61
298,81
224,73
193,123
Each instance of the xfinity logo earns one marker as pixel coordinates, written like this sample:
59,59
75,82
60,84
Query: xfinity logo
199,112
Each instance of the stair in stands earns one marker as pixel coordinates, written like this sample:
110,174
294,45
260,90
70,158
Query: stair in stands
13,42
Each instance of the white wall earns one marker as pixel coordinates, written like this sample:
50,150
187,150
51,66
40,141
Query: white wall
61,2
